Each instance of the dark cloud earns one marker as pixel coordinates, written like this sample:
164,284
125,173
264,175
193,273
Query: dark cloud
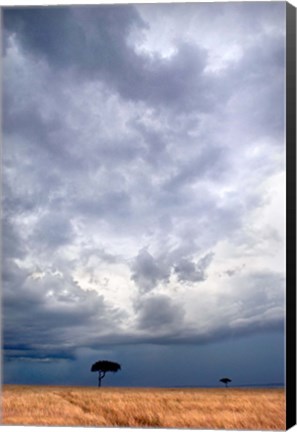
159,314
85,37
173,81
95,43
210,162
188,271
112,204
56,316
47,314
148,272
53,231
11,241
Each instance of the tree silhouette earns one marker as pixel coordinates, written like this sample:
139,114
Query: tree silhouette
225,381
103,366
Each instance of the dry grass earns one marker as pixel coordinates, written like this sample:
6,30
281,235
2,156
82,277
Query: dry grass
178,408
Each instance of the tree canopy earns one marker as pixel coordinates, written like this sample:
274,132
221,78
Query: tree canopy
225,381
103,366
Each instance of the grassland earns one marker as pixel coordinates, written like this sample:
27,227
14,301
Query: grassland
177,408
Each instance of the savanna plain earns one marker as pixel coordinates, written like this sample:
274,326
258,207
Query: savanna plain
223,408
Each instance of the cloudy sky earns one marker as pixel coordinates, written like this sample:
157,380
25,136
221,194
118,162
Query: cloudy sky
144,193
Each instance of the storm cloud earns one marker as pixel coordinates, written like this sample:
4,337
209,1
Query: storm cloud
193,272
143,176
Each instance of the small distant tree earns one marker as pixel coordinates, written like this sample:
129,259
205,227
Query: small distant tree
225,381
103,366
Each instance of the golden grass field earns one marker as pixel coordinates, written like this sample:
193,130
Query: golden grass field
140,407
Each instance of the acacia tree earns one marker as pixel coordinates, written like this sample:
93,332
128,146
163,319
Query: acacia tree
103,366
225,381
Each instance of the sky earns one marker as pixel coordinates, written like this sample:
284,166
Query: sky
144,193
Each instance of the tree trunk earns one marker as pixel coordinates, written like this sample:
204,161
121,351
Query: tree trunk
100,376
